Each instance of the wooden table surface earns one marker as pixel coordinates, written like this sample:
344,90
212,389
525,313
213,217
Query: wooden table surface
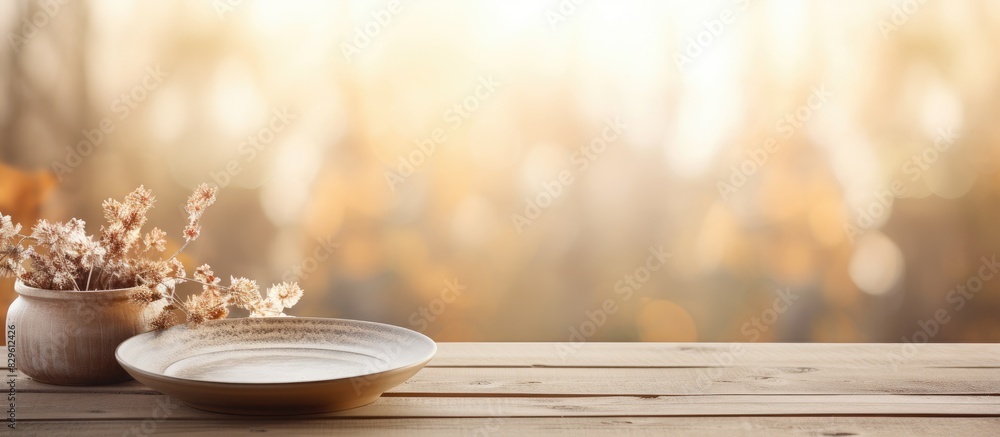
601,389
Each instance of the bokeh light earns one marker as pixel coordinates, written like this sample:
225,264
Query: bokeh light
538,156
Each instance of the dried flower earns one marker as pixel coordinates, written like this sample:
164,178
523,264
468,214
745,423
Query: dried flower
68,253
63,280
176,268
205,275
204,306
164,319
11,260
243,292
192,232
285,294
92,255
8,229
143,295
267,308
155,239
125,221
203,197
63,257
12,254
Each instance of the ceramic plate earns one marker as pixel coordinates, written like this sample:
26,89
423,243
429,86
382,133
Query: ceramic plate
276,365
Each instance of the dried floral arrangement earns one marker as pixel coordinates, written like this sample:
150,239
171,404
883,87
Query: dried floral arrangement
61,256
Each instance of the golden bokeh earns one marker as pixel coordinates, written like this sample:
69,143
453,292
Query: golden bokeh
538,170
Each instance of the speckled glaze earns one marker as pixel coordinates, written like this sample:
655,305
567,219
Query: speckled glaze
69,337
276,365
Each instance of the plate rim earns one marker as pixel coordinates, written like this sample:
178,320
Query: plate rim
417,364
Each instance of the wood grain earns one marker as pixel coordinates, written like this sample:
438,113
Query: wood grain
545,381
576,426
716,354
599,389
89,406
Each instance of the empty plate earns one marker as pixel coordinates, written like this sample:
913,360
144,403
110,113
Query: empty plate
276,365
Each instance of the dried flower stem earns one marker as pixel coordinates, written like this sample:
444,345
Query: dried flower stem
179,250
23,237
186,279
89,274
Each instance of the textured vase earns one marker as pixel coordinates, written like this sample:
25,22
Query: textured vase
69,337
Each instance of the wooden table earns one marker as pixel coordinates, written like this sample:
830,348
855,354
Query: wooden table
602,389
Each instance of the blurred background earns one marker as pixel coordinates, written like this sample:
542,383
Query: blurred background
525,170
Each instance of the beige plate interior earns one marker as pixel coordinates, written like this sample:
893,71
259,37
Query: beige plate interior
276,365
